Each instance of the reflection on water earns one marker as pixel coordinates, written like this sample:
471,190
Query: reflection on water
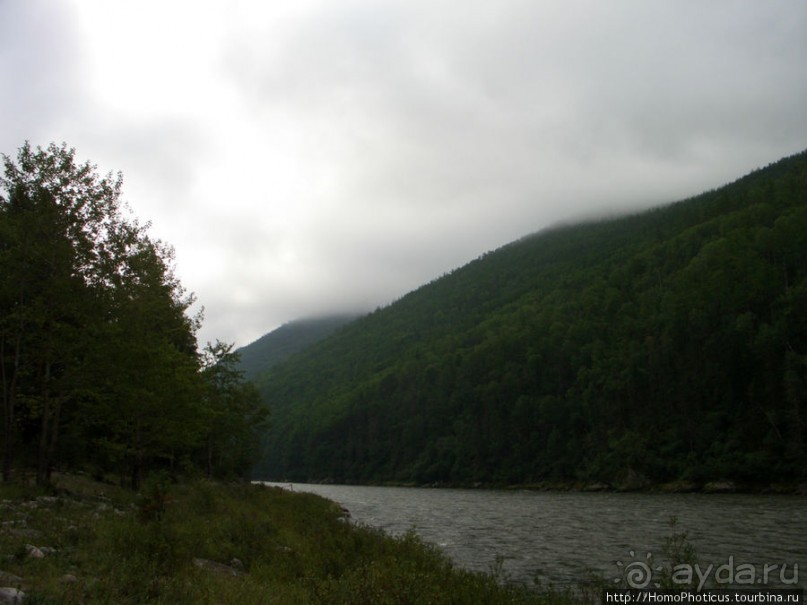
559,537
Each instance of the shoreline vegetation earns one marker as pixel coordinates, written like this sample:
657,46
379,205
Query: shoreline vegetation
193,540
199,541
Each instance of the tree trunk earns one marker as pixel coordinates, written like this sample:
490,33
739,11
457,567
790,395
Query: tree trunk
8,414
209,457
136,474
8,431
9,394
43,427
54,438
41,458
137,462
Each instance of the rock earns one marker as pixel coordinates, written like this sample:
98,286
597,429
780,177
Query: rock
682,486
68,578
719,487
596,487
10,578
632,481
34,552
11,596
237,564
25,532
215,567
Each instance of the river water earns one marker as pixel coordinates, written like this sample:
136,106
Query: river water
560,537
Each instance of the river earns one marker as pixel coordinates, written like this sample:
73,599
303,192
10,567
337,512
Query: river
560,537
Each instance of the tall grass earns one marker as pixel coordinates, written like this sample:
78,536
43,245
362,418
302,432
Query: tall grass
271,546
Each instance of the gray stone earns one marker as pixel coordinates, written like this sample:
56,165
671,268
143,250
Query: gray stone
237,564
215,567
10,578
681,486
25,532
632,481
11,596
719,487
34,552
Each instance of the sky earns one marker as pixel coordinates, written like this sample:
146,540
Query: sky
305,157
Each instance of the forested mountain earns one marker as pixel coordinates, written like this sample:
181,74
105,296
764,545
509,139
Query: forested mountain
290,338
666,345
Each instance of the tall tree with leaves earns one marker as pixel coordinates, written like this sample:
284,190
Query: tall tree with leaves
235,417
145,408
93,324
56,216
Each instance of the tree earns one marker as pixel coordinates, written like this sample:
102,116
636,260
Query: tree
235,417
56,216
145,405
93,323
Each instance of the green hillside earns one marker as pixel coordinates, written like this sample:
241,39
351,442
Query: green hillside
667,345
290,338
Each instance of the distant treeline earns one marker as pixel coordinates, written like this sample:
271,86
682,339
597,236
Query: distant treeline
99,368
667,345
270,349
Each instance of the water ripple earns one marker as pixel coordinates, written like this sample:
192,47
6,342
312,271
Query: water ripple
560,537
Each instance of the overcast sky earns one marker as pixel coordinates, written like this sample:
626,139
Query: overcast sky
310,156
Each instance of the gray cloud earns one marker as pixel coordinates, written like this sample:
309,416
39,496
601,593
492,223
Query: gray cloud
332,156
40,71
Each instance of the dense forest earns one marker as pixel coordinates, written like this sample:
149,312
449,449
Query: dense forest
667,345
99,367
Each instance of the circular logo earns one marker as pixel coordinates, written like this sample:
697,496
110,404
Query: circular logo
638,574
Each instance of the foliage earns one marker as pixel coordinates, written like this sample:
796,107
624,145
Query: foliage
667,345
291,548
680,554
98,358
234,415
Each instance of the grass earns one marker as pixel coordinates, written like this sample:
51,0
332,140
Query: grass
177,544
